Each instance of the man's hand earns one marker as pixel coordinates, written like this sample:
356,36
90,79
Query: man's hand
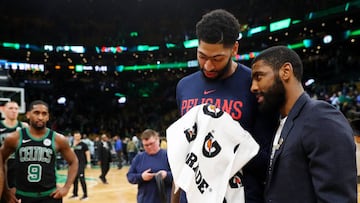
163,173
60,192
9,196
147,175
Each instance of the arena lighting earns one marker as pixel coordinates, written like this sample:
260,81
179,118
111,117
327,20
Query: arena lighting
333,10
306,43
240,36
114,50
327,39
245,57
355,33
122,100
61,100
147,48
309,82
120,94
134,34
279,25
73,49
191,43
256,30
153,66
296,46
11,45
295,22
22,66
193,63
48,48
170,45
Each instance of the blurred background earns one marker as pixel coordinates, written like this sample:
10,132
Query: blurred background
113,65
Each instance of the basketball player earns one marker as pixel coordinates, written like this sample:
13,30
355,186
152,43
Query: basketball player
7,126
226,84
35,157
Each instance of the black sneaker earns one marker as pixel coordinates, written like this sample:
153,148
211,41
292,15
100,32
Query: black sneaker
84,198
73,197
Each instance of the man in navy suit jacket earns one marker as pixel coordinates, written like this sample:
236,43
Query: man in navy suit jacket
313,153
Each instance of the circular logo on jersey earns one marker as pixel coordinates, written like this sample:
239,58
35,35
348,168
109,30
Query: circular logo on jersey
212,111
47,142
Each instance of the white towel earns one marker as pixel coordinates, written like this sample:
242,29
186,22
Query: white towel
206,151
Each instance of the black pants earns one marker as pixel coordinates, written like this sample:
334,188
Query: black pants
80,176
119,158
105,166
11,167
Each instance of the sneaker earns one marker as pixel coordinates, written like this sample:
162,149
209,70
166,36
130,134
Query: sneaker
84,198
73,197
103,180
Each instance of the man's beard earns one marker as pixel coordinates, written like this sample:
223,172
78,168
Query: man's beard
221,72
274,98
38,127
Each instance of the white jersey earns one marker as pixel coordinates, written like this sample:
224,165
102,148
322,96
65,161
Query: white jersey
206,151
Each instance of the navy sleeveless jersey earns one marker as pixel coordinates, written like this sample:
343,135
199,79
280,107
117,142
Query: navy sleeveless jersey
36,166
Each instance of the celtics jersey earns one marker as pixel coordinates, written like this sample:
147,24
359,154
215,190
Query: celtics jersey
36,166
6,130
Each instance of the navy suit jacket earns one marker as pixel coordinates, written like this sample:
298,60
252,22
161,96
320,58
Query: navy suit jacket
315,161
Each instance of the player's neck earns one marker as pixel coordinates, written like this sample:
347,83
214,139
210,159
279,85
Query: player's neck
37,132
231,70
10,122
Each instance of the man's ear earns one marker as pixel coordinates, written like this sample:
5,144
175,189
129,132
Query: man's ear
27,115
235,48
286,71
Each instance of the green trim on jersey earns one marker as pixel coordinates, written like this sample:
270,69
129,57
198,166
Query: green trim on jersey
18,124
20,140
38,139
53,144
35,194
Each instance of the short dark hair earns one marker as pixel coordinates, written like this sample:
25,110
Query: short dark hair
218,27
77,131
37,102
277,56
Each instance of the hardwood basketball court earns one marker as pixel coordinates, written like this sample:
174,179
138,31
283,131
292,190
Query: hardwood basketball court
119,190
